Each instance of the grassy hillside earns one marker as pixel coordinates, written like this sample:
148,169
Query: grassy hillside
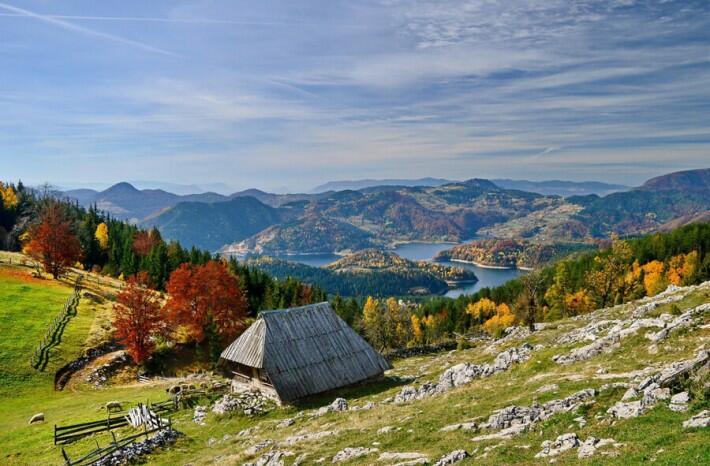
415,426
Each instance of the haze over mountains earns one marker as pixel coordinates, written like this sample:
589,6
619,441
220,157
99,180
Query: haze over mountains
551,187
254,221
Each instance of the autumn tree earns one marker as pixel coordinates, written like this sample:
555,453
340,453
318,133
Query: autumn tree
206,300
481,310
502,319
145,241
137,317
52,241
373,322
606,281
578,302
528,304
417,331
101,235
654,279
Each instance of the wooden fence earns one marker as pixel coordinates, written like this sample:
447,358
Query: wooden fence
40,354
74,432
100,453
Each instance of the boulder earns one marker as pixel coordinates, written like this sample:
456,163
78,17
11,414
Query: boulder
452,458
560,445
702,419
679,401
623,410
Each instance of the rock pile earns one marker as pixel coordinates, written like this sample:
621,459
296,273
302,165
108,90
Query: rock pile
132,452
657,388
560,445
612,339
514,420
683,320
338,405
452,458
569,441
464,373
102,373
199,415
248,403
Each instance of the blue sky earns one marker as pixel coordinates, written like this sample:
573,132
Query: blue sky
293,93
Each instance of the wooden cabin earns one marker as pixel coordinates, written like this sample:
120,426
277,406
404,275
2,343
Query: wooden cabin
293,353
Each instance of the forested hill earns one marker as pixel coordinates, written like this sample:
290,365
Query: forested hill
212,225
369,273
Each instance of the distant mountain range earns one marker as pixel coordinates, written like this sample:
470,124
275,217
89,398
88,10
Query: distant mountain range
562,188
547,188
356,185
254,221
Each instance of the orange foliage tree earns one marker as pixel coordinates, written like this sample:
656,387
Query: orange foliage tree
204,296
653,278
137,317
144,241
52,240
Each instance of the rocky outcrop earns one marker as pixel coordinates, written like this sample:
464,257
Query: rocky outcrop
464,373
607,343
131,453
338,405
248,403
560,445
684,320
271,458
452,458
513,420
347,454
702,419
658,387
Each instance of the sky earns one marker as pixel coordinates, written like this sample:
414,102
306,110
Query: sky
285,95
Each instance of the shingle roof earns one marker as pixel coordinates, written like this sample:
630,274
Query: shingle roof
306,350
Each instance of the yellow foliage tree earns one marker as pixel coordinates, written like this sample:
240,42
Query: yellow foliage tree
654,281
481,310
502,319
417,331
101,235
9,196
373,322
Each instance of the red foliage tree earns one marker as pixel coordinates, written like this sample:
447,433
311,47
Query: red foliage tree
200,295
138,317
52,240
144,241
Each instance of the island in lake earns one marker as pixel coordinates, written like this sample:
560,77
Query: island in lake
371,272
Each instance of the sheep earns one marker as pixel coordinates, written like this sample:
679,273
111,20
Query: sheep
113,406
39,417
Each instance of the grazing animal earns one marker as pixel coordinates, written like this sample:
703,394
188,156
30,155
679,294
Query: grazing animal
174,390
39,417
113,406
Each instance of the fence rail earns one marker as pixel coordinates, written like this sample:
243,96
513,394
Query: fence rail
100,453
40,354
71,433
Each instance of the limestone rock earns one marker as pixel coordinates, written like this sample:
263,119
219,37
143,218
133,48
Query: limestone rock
702,419
623,410
349,453
679,401
452,458
560,445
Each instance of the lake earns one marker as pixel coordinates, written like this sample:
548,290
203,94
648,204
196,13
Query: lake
419,251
